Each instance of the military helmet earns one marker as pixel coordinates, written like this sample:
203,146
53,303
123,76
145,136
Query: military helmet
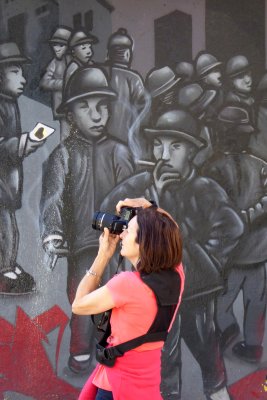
120,38
237,65
195,98
205,63
185,70
160,80
84,82
178,123
81,37
232,116
10,53
61,35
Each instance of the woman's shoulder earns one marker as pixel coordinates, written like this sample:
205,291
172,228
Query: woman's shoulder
131,276
128,280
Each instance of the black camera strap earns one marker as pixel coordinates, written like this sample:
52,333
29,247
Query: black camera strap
166,286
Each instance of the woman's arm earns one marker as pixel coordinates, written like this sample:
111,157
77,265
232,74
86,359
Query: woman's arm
90,299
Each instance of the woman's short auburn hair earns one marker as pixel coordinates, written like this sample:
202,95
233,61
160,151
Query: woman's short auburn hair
159,240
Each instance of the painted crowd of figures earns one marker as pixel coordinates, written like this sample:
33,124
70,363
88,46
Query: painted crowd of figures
182,137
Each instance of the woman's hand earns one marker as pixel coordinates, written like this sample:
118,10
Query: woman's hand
138,202
107,244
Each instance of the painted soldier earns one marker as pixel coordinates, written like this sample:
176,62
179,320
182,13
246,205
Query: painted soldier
52,80
196,100
161,84
81,46
132,103
243,176
14,147
208,71
258,142
239,75
210,229
185,70
77,176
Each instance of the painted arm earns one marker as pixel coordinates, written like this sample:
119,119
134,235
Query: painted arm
49,82
53,199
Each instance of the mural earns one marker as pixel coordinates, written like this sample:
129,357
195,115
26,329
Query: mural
144,98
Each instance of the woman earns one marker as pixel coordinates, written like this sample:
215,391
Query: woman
153,245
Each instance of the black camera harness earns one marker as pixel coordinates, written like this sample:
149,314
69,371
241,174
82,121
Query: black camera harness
166,286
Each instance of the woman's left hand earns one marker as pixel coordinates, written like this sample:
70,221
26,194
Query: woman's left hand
107,243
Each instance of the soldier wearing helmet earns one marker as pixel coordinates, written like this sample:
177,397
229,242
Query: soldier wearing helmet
243,177
198,102
15,146
85,166
161,84
52,80
132,102
239,75
81,46
175,185
209,75
185,70
208,70
258,143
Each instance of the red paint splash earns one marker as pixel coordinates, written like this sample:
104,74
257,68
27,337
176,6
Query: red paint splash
251,387
24,365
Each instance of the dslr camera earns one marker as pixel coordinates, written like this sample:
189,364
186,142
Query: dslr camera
115,223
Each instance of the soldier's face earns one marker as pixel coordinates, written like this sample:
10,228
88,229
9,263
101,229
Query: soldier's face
83,52
214,78
243,83
175,154
90,115
12,80
59,50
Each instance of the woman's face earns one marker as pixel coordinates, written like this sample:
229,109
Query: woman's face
129,246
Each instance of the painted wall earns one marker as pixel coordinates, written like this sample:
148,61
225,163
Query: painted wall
141,26
211,178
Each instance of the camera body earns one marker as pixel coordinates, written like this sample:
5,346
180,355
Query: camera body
115,223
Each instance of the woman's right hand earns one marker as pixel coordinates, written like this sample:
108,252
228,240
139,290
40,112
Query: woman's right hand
107,244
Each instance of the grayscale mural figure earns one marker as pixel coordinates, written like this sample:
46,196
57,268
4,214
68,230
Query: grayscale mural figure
239,76
52,80
243,176
198,101
258,142
185,70
208,71
161,84
86,166
15,145
210,228
132,103
81,47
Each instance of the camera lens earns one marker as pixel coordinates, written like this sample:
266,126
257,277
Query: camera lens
106,220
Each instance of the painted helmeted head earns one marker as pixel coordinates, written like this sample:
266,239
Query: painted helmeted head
120,47
208,70
238,72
